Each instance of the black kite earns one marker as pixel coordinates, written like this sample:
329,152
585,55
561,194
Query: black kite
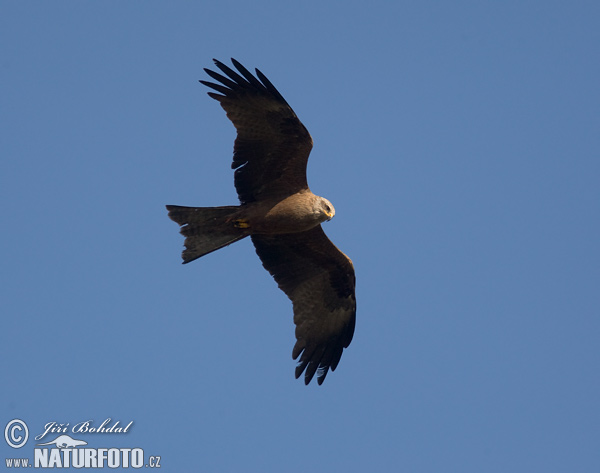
282,217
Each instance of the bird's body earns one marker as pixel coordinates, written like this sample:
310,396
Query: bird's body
295,213
281,215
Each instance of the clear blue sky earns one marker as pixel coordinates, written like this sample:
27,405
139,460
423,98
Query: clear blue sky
460,145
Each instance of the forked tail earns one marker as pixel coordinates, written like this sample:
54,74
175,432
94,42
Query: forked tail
205,229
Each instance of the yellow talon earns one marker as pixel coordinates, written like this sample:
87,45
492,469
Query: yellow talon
241,223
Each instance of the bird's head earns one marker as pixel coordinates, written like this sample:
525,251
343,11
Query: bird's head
326,208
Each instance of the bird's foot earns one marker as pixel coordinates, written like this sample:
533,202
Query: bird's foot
241,223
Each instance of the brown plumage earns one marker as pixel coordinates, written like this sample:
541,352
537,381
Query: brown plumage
282,217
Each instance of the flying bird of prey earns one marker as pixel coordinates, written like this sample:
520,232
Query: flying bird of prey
281,215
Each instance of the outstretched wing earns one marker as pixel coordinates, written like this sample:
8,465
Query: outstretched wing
319,280
272,146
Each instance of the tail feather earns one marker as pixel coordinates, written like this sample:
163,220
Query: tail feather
206,229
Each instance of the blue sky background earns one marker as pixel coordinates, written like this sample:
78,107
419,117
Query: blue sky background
460,145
